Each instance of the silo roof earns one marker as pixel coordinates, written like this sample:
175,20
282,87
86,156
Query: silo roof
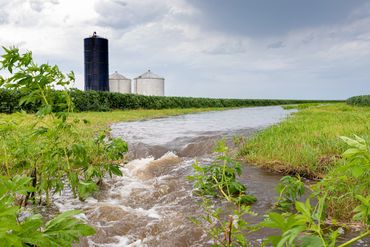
149,75
117,76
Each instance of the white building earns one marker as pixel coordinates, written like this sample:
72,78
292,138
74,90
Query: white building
119,84
149,84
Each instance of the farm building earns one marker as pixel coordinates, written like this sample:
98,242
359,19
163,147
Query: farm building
96,63
96,59
119,84
149,84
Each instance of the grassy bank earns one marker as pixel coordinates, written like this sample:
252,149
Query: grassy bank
308,142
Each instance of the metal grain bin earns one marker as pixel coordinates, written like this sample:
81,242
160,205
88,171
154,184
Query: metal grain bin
149,84
119,84
96,63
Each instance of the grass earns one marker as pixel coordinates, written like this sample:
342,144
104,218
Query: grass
308,141
302,106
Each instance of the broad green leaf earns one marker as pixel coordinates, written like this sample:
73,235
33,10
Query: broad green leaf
310,241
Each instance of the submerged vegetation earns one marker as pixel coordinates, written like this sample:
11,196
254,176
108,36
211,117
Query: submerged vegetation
306,224
219,181
312,144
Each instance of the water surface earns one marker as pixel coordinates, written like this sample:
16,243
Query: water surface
151,204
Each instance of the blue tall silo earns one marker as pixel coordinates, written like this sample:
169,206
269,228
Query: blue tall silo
96,63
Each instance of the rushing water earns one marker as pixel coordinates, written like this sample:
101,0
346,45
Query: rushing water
151,204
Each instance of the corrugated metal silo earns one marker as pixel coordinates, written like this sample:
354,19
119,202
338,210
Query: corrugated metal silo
149,84
96,63
119,84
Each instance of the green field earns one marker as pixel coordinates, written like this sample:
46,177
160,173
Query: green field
308,142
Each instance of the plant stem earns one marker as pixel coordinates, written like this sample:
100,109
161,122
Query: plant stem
6,160
230,229
43,95
221,190
351,241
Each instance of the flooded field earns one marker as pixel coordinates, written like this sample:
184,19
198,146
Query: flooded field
151,204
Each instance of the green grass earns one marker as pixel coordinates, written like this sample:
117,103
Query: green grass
303,106
308,141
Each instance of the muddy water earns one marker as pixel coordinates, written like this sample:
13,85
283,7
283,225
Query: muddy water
150,205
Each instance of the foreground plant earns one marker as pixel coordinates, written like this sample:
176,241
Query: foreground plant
308,225
290,189
225,228
349,181
219,181
304,224
21,228
50,153
219,178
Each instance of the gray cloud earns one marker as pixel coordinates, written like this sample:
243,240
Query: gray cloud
276,45
39,5
265,18
122,3
121,15
229,48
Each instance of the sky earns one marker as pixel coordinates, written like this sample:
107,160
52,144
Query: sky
291,49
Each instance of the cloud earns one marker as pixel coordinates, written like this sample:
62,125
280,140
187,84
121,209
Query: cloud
276,45
229,46
121,15
327,60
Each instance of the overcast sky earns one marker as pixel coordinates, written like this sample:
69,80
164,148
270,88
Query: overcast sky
316,49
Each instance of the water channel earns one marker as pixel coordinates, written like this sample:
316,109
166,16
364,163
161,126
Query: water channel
151,204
